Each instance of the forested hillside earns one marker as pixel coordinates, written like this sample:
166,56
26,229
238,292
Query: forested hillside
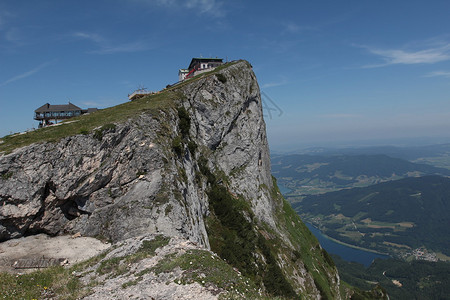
394,216
402,280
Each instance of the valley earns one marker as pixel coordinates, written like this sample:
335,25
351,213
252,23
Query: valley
394,217
358,200
306,174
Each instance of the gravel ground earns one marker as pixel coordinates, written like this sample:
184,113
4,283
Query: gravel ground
74,249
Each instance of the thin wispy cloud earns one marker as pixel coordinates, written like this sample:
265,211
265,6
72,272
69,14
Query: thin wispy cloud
206,6
91,104
408,57
281,82
107,47
12,35
133,47
211,7
90,36
101,102
4,15
341,116
28,73
438,74
292,27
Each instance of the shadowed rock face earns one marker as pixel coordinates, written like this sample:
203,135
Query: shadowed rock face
133,180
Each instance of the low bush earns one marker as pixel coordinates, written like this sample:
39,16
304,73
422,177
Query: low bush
184,121
99,133
177,145
221,77
192,146
7,175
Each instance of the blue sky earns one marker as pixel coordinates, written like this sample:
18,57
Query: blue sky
339,71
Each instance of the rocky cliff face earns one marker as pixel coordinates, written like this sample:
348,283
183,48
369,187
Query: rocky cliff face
197,169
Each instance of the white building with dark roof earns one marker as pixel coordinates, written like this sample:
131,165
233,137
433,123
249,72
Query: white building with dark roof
199,65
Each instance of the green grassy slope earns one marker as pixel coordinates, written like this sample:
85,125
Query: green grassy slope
85,124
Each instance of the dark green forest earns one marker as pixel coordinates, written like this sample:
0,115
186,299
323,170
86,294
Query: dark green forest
418,279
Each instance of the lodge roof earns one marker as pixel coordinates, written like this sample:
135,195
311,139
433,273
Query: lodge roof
90,110
203,59
58,107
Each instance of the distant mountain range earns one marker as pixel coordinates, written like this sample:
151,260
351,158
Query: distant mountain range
313,174
408,153
395,216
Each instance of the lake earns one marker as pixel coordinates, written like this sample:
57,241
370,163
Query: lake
347,253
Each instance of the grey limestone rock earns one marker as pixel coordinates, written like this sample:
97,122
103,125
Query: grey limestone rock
130,182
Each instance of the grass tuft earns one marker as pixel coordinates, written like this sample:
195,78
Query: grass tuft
99,133
43,284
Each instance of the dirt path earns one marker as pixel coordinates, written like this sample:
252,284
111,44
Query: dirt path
43,246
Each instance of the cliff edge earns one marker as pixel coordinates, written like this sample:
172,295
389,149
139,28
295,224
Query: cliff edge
190,163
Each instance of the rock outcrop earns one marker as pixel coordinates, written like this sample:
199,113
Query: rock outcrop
182,170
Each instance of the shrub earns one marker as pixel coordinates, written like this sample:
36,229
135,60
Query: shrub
98,134
177,145
7,175
109,265
221,77
185,121
203,166
238,236
274,279
322,287
328,258
192,146
149,247
84,131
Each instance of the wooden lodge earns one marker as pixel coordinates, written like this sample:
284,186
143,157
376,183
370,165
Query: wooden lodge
48,113
199,65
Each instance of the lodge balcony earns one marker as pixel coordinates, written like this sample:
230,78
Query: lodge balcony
56,115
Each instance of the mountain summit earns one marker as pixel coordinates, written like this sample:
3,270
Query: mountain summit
189,165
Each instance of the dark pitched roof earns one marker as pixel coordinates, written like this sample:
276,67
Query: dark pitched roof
92,109
204,59
58,107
